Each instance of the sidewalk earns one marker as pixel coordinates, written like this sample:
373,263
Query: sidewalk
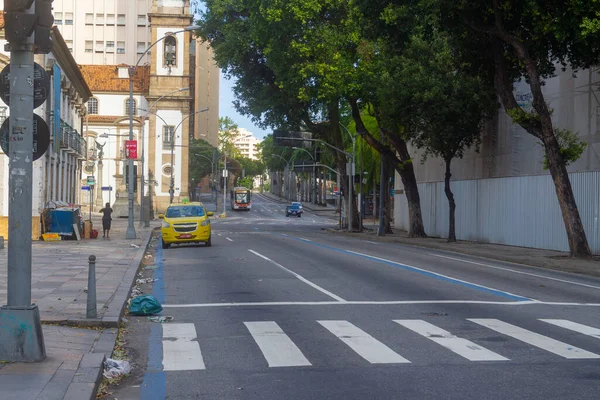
72,369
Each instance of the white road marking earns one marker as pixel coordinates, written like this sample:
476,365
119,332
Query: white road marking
463,347
277,348
300,277
218,234
438,274
305,240
368,303
367,241
535,339
574,326
229,239
362,343
181,351
516,272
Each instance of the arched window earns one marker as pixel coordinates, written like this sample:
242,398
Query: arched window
92,105
130,109
170,48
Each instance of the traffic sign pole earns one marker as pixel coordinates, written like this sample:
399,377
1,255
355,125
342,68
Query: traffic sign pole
21,337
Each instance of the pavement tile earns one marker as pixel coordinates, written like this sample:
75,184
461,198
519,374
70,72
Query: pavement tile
58,385
80,391
13,387
88,374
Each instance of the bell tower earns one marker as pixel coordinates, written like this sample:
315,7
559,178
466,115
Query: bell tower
170,113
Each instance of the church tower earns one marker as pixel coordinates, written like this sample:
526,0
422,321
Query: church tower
170,113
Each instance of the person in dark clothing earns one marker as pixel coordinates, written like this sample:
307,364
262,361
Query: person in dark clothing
106,219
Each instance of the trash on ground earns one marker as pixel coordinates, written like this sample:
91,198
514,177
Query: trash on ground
144,305
115,368
147,280
160,319
147,267
135,246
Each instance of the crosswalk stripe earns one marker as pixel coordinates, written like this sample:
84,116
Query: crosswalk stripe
181,351
362,343
574,326
277,348
535,339
460,346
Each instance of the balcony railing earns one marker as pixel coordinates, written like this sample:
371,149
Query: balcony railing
72,141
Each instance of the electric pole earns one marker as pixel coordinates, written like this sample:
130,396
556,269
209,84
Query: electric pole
27,30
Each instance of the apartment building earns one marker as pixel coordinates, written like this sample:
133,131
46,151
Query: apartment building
103,32
247,144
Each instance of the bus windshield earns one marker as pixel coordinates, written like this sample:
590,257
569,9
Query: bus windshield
242,197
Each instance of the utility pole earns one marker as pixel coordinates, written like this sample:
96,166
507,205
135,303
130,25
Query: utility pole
382,194
225,184
21,337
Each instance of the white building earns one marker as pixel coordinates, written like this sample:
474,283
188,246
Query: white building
104,31
56,174
247,144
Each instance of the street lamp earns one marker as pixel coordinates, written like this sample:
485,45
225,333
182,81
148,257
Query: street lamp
172,181
143,220
130,234
287,166
314,172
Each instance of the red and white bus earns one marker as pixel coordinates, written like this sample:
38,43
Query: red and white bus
241,199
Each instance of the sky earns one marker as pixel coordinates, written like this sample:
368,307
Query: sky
226,109
226,98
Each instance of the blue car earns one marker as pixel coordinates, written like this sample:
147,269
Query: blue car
294,209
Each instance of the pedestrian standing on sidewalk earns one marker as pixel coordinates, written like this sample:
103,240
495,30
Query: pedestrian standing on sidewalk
106,219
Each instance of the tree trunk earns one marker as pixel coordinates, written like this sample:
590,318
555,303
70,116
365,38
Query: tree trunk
576,236
451,204
388,215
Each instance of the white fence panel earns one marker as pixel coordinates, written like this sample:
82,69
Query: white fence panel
516,211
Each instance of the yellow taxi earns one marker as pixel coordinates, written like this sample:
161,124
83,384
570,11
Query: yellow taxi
185,223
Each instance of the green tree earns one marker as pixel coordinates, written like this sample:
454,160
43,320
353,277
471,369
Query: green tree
202,159
529,39
450,106
228,132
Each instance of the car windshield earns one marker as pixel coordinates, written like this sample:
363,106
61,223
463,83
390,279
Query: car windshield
185,211
297,204
294,206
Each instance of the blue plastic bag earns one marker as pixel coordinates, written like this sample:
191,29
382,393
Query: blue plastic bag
144,305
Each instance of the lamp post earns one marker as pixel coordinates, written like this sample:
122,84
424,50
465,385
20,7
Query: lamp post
287,166
130,234
173,135
352,167
314,172
143,220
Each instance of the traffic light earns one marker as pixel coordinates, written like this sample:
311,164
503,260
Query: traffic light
19,24
45,20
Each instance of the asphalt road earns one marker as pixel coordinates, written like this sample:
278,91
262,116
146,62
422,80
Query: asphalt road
280,309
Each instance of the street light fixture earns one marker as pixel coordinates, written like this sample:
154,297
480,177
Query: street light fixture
172,181
130,234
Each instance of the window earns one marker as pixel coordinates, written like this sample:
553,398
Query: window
68,18
58,18
92,105
110,46
89,46
89,19
110,19
69,44
141,20
120,47
141,47
130,110
170,47
99,46
99,19
168,132
121,19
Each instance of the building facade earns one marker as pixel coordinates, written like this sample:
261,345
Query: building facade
56,175
102,32
207,77
247,144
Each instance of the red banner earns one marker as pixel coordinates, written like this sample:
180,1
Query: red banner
131,149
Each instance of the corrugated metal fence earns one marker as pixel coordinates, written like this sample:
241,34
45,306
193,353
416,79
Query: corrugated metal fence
516,211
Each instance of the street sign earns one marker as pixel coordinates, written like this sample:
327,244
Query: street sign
86,188
41,136
107,188
41,85
91,180
131,149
